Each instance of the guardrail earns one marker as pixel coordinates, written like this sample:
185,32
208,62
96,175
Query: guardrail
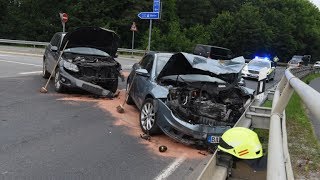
279,163
36,43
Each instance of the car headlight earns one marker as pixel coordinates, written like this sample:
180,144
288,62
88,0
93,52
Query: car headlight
70,66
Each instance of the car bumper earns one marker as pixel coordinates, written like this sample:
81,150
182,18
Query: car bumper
253,76
186,133
70,81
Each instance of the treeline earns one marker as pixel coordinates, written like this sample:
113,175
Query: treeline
248,27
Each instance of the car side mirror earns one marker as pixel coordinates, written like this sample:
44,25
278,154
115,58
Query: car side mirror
142,72
54,48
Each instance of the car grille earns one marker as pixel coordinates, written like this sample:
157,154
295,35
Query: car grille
253,72
98,72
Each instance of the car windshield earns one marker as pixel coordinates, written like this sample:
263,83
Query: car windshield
161,62
86,51
259,64
295,61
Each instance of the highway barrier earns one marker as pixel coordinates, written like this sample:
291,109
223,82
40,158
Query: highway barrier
36,43
274,119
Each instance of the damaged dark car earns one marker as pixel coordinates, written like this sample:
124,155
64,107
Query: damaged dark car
87,62
190,98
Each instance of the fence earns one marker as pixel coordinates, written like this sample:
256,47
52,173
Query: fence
35,43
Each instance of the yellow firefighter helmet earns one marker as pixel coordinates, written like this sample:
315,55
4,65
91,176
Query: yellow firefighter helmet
241,142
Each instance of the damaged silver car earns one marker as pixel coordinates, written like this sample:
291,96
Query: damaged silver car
190,98
87,61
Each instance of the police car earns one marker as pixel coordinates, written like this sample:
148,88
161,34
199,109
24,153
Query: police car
253,68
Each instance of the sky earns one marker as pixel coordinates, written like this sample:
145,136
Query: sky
316,2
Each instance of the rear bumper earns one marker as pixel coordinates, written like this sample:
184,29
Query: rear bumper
70,81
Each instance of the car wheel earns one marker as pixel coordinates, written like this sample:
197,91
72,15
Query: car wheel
148,118
57,84
45,72
129,99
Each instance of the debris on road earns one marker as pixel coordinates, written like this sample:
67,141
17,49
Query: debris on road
163,148
145,137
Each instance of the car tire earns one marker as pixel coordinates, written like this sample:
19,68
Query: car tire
45,72
148,118
129,99
57,84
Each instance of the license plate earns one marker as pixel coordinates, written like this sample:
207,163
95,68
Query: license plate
213,139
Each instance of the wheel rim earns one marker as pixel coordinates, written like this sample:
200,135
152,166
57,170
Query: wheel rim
57,80
147,116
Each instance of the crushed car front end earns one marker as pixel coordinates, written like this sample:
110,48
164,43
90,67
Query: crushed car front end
98,75
204,99
88,61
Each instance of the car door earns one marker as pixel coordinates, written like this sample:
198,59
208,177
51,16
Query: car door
52,55
142,83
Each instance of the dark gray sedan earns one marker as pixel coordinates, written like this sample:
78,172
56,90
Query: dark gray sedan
190,98
87,62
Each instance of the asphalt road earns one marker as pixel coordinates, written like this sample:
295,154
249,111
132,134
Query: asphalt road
64,136
315,84
46,136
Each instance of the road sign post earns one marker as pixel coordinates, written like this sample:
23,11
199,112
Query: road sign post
151,15
150,30
64,18
133,29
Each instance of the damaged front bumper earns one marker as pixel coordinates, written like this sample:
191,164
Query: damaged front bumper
184,132
71,82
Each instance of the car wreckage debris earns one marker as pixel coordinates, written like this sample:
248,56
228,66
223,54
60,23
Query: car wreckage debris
206,105
163,148
146,137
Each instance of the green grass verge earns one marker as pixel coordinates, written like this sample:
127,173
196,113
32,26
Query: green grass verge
304,147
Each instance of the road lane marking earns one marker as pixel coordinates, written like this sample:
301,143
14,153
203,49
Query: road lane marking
31,72
29,64
170,168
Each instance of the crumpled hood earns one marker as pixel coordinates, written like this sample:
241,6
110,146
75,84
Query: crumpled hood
93,37
184,63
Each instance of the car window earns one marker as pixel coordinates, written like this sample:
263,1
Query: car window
146,62
161,62
55,40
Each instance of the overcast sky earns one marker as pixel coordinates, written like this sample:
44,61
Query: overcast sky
316,2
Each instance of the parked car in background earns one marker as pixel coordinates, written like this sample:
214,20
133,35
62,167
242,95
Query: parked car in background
87,62
253,68
298,61
317,64
213,52
190,98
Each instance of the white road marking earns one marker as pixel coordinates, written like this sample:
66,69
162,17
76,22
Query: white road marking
31,72
170,168
29,64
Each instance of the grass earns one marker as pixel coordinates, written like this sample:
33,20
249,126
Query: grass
304,147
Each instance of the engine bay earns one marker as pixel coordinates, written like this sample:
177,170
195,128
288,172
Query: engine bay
207,103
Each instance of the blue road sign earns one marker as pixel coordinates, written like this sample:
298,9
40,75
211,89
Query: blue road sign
156,6
149,15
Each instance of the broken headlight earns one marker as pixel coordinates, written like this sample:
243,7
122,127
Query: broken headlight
70,66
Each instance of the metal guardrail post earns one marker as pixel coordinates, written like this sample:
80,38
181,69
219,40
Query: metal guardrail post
276,168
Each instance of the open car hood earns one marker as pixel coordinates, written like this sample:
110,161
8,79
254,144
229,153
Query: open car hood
93,37
184,63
